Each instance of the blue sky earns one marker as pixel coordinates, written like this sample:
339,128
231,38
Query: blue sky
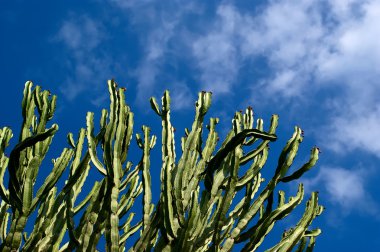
315,63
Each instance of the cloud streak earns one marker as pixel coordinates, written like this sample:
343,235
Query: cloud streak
345,189
82,37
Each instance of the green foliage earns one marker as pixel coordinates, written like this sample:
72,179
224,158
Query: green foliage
188,216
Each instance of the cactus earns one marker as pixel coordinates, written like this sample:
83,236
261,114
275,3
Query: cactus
195,210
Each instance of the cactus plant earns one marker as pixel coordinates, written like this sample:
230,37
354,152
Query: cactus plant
195,210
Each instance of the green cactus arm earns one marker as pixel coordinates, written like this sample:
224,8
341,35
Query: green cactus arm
26,97
89,218
291,239
5,136
130,232
254,169
297,174
127,135
53,104
211,142
146,239
155,106
251,190
302,244
311,233
14,181
168,212
42,221
88,197
92,144
111,126
115,174
125,227
33,165
70,140
227,198
4,217
53,177
288,153
147,198
81,171
130,177
257,233
78,147
168,157
311,245
192,146
4,193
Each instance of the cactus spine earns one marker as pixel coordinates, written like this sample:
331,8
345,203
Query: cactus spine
194,211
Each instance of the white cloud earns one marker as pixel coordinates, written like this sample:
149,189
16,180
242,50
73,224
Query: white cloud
161,25
309,46
181,96
217,53
80,33
82,37
345,189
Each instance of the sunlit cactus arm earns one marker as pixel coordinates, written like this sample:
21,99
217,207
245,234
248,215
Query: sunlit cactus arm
251,189
227,198
294,236
129,232
59,166
92,144
115,173
5,136
43,220
88,219
147,199
4,217
211,142
148,235
257,233
170,224
297,174
254,169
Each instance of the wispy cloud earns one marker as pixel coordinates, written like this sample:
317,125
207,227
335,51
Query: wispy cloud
161,25
81,37
345,189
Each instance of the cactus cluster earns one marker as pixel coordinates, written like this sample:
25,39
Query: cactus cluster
195,210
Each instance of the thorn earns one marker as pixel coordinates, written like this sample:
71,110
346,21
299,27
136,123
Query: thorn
124,88
174,129
319,150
